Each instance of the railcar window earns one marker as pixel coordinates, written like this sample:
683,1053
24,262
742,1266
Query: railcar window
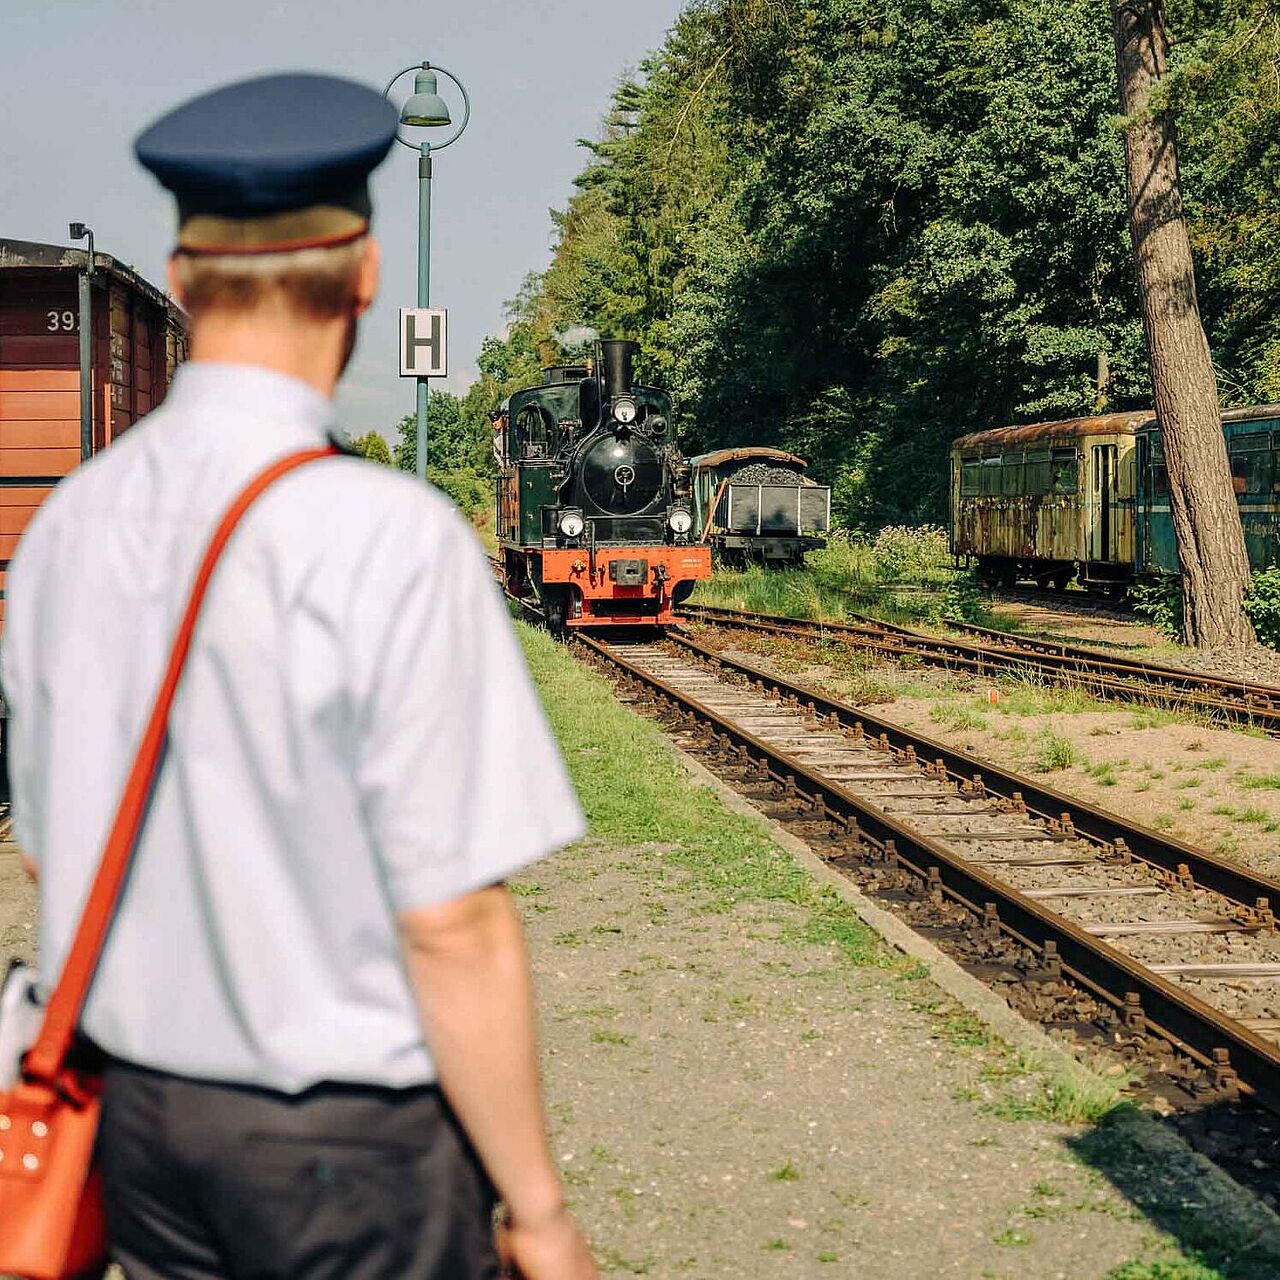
1160,479
970,478
1011,474
1066,469
1251,464
1038,475
990,476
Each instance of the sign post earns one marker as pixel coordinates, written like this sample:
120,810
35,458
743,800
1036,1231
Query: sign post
424,353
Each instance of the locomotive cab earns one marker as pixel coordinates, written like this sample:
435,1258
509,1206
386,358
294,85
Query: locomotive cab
594,512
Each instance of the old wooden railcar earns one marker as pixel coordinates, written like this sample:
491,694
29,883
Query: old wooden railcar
1253,445
593,509
754,503
138,339
1048,502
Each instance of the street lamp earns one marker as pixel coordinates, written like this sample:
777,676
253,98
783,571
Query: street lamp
427,109
78,231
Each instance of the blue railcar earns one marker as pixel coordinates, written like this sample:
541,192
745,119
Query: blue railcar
1253,444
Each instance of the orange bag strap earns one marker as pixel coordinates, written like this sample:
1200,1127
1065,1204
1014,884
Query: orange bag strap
47,1057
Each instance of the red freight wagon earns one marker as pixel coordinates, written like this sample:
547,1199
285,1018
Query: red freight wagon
139,338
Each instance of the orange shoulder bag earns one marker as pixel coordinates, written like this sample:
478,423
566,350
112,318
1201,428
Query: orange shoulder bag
51,1219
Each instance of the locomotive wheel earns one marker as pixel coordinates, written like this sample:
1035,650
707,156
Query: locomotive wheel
555,608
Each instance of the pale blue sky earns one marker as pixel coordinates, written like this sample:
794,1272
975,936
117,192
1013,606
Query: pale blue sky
80,78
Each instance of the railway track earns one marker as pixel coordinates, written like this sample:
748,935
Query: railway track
1175,953
990,653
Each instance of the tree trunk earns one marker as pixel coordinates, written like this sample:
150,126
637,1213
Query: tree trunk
1206,520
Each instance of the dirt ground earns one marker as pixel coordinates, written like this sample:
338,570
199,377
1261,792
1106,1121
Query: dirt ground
731,1101
1105,628
17,909
1116,631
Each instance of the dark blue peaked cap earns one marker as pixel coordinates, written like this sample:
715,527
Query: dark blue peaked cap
244,160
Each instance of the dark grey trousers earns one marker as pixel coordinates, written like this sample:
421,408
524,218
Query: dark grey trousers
217,1182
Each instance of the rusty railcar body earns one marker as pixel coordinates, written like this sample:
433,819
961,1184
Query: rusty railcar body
1048,502
139,338
594,517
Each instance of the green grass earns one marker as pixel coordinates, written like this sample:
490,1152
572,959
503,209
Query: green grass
1055,751
904,576
634,791
1258,781
1248,815
956,715
1079,1100
1104,773
1012,1237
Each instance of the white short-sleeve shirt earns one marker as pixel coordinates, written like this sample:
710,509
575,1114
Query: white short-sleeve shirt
355,734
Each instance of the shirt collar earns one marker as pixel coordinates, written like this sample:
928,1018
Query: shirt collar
246,392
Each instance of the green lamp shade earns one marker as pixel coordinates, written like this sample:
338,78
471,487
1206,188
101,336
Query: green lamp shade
426,107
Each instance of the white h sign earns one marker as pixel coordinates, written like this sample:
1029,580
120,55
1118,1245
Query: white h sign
424,346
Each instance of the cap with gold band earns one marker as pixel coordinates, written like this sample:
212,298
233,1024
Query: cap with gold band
271,165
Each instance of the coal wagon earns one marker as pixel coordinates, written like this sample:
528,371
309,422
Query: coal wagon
755,503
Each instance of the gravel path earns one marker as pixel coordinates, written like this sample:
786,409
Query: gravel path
730,1100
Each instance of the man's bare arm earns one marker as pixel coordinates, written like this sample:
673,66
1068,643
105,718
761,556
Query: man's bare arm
29,867
470,973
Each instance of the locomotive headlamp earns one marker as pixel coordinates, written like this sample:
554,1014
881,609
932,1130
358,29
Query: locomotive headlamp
624,410
572,524
680,520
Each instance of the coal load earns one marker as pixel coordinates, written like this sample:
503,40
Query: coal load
762,473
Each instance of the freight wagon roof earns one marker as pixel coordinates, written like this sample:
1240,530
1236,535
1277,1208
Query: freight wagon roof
1107,424
29,255
721,456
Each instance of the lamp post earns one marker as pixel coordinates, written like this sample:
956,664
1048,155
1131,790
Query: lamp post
78,231
426,109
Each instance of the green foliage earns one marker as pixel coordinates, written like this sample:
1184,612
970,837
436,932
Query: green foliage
372,446
859,228
1225,90
1262,604
471,491
1056,751
918,555
1160,603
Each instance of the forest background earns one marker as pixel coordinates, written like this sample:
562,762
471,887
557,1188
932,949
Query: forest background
859,228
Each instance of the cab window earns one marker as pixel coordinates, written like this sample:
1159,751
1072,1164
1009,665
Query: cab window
970,477
990,476
1011,474
1065,468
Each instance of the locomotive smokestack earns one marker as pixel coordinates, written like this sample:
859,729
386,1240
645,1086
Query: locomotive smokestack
616,355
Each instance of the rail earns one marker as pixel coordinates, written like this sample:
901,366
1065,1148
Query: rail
1105,675
840,744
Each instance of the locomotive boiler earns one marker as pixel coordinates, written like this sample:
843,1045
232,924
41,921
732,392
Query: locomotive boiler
594,514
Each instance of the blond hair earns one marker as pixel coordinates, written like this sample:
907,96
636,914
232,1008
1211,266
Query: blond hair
318,283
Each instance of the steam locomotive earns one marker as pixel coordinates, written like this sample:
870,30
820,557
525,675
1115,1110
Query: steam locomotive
594,514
